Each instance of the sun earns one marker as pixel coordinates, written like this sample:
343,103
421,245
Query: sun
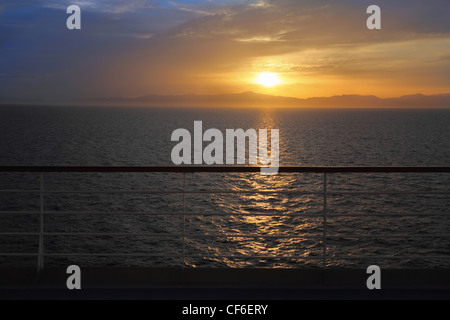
268,79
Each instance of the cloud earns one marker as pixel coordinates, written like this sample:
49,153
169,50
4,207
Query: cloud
136,47
110,6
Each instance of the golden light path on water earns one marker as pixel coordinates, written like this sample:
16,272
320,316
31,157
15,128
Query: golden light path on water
276,229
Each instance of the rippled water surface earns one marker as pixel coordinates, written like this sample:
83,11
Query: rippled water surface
410,228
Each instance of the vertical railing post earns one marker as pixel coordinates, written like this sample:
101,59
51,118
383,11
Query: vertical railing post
184,219
40,265
325,182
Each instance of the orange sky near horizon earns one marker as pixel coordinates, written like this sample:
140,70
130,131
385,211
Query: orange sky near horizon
134,48
385,70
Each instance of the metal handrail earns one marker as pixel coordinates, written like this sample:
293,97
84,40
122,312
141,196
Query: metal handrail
206,214
224,169
325,214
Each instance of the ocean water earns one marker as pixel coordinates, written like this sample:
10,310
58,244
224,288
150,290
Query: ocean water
418,236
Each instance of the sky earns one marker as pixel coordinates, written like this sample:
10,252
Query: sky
130,48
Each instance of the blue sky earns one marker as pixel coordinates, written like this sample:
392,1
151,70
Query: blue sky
138,47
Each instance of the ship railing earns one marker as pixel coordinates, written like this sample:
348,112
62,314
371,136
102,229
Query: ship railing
184,171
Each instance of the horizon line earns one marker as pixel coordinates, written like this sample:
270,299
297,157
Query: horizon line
248,99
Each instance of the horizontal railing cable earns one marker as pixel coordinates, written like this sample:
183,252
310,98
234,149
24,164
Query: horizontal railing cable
325,215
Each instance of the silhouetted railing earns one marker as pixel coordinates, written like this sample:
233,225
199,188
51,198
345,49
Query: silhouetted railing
325,193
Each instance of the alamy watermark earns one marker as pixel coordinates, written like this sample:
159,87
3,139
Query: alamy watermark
74,20
189,149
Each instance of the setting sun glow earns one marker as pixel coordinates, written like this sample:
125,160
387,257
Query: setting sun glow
268,79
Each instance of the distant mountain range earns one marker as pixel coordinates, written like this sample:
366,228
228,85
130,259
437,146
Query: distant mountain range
252,99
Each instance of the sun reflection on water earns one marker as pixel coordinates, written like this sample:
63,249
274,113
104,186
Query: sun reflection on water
276,217
264,217
269,207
